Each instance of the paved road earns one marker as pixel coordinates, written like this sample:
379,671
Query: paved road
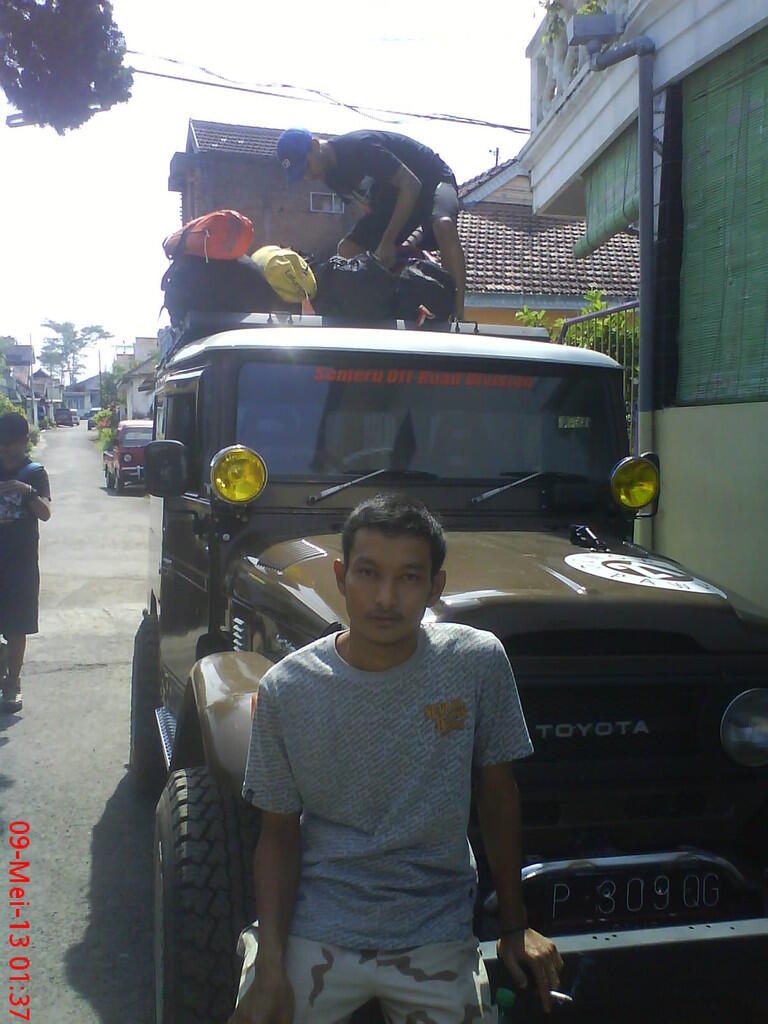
63,759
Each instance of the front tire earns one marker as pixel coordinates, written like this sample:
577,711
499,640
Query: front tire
119,482
203,880
145,756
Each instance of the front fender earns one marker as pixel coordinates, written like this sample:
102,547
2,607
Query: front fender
222,686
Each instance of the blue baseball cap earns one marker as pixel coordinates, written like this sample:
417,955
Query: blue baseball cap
292,148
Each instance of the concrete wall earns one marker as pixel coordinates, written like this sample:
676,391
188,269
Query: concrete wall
516,190
495,315
143,348
713,514
600,105
138,402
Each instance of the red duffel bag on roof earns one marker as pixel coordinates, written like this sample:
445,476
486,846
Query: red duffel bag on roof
221,235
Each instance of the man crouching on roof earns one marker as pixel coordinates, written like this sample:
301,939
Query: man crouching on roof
406,188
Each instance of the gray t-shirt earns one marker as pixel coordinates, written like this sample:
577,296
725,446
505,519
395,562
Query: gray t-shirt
379,764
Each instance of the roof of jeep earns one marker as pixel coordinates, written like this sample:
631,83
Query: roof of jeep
396,342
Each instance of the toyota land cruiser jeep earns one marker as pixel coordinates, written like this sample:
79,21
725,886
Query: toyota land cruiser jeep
644,686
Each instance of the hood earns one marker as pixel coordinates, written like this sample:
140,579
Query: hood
532,583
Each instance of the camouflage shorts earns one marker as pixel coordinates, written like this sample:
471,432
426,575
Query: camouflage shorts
442,983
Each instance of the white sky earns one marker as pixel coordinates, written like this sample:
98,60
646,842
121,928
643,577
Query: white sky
84,215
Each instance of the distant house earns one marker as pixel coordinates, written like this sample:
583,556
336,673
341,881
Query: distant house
49,393
136,389
83,395
122,360
14,390
144,348
7,388
232,166
19,360
514,259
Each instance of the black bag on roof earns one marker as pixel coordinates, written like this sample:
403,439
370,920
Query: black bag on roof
424,285
359,289
219,286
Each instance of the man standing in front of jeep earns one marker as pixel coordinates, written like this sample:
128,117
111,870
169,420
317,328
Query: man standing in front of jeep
406,188
361,755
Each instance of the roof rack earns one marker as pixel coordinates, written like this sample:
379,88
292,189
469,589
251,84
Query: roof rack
197,325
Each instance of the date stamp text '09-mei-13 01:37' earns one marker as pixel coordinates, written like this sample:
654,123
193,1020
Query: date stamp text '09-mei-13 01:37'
19,998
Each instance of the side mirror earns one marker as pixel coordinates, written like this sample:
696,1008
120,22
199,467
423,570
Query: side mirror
166,468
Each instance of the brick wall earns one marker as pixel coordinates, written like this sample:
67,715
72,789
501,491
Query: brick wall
256,187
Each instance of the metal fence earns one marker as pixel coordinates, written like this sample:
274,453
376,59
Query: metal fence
616,333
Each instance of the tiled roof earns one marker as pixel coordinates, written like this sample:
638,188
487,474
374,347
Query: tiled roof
233,138
213,136
19,355
481,179
89,384
509,249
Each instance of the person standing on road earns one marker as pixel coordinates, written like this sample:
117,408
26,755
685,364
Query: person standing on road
405,186
362,750
24,499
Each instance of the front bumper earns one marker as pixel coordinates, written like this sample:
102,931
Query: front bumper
640,938
132,474
707,975
652,963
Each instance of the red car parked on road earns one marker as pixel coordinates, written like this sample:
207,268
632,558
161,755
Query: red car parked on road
124,459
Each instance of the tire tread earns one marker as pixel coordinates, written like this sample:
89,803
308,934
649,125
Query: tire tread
209,906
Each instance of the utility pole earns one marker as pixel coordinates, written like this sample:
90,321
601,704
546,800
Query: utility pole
101,386
32,384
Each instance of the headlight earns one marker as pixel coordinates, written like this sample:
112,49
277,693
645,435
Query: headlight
744,729
127,458
238,475
634,483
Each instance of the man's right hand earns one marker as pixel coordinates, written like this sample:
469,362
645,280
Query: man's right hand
14,487
269,1000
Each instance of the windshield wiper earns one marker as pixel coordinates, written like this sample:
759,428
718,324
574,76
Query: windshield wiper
409,474
575,477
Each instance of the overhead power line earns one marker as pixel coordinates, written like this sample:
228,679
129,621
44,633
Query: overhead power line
279,91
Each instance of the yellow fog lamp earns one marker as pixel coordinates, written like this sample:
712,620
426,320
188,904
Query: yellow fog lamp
238,475
634,483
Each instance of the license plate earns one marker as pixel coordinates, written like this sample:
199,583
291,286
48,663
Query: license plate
626,898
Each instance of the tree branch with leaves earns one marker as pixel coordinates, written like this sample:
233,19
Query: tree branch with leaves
61,60
65,349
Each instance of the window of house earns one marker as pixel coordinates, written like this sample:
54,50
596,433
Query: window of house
325,202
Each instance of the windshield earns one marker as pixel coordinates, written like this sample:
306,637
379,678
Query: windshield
331,420
137,437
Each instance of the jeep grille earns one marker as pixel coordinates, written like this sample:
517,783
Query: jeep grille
612,721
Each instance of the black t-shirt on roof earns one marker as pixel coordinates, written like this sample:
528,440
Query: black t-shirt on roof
366,162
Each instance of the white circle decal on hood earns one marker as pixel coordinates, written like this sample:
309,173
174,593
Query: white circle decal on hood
642,572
